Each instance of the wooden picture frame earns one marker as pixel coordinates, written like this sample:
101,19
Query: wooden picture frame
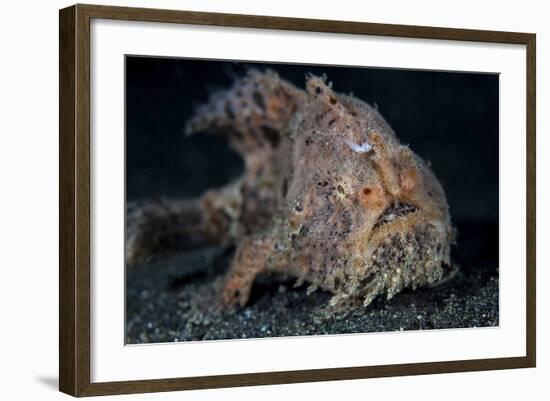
74,205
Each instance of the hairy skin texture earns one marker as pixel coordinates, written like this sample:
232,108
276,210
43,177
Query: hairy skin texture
328,196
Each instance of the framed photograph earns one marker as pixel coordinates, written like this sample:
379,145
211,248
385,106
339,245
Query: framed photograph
250,200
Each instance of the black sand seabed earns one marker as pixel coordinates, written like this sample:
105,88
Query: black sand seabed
174,300
448,118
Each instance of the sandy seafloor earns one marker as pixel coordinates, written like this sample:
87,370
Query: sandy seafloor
450,119
174,299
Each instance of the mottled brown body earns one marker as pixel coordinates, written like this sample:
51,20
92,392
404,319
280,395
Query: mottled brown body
328,196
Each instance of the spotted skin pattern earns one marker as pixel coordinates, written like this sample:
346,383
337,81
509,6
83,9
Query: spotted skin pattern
329,196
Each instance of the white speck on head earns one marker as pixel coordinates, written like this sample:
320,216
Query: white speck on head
358,148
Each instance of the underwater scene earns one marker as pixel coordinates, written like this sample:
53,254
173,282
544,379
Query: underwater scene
267,200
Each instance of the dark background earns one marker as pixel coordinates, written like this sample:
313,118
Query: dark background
450,119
